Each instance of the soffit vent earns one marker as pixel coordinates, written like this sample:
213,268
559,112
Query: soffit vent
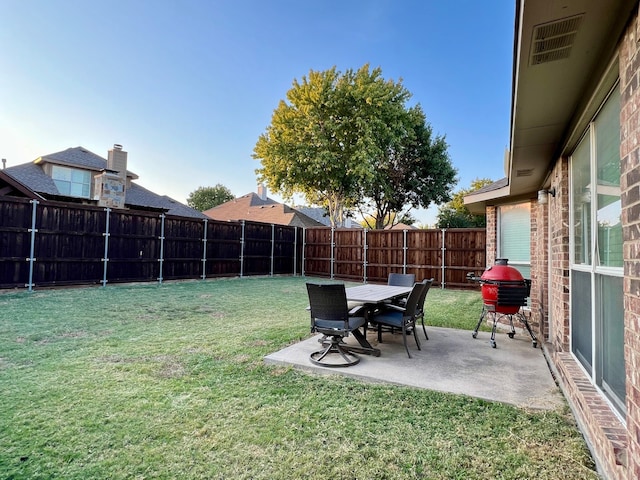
554,41
527,172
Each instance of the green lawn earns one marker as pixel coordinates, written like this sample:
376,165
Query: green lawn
149,381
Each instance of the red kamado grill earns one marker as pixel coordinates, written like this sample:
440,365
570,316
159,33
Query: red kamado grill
504,292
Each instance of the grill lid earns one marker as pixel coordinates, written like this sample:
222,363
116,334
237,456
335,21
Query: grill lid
501,272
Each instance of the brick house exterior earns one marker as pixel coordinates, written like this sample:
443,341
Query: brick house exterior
559,107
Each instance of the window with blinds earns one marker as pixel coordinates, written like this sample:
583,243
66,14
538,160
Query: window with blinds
514,236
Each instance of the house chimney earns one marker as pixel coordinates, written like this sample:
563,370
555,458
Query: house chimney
110,186
117,161
262,191
4,163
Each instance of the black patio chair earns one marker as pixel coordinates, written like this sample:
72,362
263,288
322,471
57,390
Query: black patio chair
403,318
331,317
401,279
420,307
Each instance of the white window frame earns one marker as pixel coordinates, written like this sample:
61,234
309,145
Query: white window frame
500,252
59,182
594,269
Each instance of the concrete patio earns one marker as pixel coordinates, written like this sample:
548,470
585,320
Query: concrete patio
450,361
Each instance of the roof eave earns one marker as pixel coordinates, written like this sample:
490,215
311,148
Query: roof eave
477,202
20,187
549,97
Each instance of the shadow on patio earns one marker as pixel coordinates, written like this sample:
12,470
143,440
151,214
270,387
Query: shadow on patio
450,361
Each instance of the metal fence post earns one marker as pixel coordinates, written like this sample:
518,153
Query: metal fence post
32,249
364,254
204,249
242,250
444,250
105,259
404,251
273,246
295,251
304,246
161,259
332,252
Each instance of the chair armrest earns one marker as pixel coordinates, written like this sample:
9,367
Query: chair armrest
355,310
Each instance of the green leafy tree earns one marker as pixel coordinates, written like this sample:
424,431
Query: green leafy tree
204,198
338,139
414,170
316,144
455,214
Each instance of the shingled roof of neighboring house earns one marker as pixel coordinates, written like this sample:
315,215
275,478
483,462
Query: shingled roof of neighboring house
33,176
317,213
260,209
320,214
140,196
498,184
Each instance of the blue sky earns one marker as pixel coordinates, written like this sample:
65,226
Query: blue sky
187,86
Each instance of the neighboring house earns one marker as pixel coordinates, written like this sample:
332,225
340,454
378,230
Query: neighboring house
76,175
260,208
568,212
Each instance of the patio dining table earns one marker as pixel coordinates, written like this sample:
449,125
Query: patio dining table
372,295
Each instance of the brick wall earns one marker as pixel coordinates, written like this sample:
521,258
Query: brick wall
558,250
539,273
492,235
629,62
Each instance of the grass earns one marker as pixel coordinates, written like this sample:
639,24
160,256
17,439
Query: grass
149,381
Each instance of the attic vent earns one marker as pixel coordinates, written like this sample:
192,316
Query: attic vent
527,172
553,41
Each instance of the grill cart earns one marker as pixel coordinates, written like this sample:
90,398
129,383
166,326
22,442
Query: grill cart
504,291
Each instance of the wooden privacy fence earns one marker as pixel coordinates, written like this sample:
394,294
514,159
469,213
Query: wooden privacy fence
446,255
51,243
54,243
